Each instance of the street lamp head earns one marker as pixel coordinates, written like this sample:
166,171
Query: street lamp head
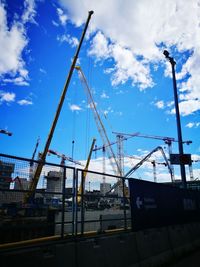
166,53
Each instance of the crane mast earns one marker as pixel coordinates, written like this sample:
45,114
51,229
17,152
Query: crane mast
34,182
100,126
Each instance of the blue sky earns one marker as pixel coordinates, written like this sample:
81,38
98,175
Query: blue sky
122,59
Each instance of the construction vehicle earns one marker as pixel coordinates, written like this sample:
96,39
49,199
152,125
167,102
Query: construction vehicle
63,157
34,181
159,148
100,126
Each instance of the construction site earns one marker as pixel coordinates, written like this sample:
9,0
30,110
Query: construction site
56,213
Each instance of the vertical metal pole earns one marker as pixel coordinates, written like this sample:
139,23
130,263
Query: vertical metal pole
178,121
73,202
169,144
63,203
82,201
124,203
76,203
154,171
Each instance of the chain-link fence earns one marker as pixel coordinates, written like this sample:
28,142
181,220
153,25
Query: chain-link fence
65,201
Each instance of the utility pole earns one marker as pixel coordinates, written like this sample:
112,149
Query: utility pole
178,121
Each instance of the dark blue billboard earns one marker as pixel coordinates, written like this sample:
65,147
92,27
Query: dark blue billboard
156,205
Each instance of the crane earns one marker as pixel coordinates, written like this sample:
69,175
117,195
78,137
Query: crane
119,143
5,132
159,148
146,158
10,180
100,126
153,162
34,182
32,159
168,141
82,185
63,157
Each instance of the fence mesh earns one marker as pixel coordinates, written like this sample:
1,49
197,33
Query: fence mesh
66,201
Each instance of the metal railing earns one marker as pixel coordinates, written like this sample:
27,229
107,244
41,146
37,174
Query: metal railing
58,208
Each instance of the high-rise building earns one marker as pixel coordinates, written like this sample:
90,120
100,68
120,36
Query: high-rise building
6,171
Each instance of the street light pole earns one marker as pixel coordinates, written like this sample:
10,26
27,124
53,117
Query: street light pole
178,121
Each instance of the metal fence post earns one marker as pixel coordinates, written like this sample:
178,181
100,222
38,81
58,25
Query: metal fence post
76,202
63,202
124,204
82,202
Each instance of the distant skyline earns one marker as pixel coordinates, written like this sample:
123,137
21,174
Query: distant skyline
122,59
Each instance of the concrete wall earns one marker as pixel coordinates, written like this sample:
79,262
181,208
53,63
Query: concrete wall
151,247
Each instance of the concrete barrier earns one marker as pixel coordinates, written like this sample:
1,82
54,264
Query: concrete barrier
89,253
119,250
180,239
22,258
153,247
66,255
194,232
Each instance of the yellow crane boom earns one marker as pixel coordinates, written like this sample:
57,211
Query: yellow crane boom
38,170
82,185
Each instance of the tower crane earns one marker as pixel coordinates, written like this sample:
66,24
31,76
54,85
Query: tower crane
100,126
119,143
168,141
5,132
34,182
63,157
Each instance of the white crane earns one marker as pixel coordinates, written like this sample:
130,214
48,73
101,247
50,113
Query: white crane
100,126
64,158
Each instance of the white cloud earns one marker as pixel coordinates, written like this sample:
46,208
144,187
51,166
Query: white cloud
73,41
7,97
188,107
24,102
193,124
62,16
74,107
99,47
42,71
18,81
29,11
159,104
134,33
55,23
13,41
104,95
190,125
